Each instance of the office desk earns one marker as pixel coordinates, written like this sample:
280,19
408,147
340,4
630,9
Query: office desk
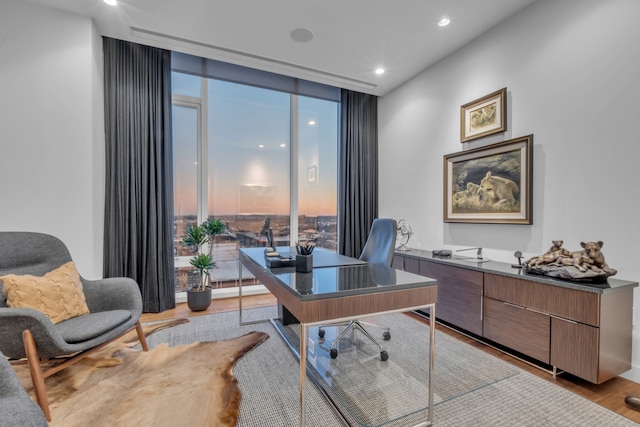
340,289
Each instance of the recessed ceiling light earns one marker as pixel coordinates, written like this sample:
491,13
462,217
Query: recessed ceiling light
111,2
444,22
379,71
283,145
261,146
312,122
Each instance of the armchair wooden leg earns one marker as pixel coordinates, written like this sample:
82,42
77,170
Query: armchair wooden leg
37,378
141,337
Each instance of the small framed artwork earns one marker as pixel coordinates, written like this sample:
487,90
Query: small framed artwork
484,116
491,184
312,174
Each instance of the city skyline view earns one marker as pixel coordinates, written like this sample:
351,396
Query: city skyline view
232,151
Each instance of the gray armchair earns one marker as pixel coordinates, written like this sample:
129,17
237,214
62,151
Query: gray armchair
115,306
16,407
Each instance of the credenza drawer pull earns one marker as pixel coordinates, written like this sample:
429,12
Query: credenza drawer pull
539,312
564,320
513,305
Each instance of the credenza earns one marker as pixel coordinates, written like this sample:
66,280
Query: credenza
580,328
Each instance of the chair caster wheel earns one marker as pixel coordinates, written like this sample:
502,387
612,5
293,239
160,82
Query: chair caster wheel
384,356
321,333
333,353
386,335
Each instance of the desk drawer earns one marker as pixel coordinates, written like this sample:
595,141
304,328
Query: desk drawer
518,328
579,306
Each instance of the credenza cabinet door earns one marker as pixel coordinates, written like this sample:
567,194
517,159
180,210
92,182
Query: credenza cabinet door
516,327
412,265
574,348
459,295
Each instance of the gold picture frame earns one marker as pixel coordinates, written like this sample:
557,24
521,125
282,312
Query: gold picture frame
491,184
484,116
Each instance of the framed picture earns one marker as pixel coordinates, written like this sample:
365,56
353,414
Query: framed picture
484,116
491,184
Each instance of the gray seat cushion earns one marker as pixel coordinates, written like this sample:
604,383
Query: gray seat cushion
16,407
83,328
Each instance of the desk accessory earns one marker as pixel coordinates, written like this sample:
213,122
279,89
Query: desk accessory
518,255
478,254
443,253
404,233
279,261
304,257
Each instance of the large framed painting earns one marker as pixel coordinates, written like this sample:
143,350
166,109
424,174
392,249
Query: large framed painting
484,116
491,184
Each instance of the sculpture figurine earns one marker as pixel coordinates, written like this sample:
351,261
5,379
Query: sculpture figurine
587,264
551,256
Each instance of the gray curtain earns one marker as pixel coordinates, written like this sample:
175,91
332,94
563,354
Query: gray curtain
138,228
358,171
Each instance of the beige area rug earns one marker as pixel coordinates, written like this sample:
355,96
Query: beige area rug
167,386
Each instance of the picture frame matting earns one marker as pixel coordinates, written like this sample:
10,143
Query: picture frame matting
484,116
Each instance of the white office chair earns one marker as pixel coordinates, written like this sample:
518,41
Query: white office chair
378,249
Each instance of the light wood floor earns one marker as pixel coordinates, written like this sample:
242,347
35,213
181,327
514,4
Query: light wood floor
611,394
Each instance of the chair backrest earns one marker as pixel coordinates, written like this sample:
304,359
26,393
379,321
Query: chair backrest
24,252
381,242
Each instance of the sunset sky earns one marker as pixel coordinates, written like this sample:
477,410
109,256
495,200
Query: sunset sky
249,155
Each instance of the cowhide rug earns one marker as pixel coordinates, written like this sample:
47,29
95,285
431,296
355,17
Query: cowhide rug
190,385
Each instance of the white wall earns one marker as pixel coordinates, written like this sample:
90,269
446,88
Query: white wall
571,69
51,128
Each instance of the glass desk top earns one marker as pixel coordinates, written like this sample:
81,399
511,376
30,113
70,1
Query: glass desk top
335,275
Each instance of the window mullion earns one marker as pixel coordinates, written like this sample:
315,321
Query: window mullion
293,152
203,153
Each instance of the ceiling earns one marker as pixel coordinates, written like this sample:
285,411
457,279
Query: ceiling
351,38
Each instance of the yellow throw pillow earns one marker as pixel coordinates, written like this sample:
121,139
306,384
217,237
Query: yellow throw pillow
58,294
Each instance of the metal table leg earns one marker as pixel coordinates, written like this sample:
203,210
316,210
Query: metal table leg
240,300
303,370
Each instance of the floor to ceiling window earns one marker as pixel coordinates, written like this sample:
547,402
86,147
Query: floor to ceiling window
236,148
317,170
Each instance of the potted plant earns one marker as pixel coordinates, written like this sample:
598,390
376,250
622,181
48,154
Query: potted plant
212,227
199,295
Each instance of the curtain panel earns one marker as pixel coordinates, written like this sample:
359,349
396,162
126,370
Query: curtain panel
138,237
358,171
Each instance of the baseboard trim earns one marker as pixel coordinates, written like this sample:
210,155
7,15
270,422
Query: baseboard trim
222,293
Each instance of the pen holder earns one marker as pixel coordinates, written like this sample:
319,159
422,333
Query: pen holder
304,263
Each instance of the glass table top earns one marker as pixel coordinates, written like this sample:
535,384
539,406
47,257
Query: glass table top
349,277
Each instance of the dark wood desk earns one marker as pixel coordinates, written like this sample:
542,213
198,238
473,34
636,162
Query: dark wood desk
340,289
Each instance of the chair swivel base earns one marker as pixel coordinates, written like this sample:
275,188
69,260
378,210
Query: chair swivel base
355,324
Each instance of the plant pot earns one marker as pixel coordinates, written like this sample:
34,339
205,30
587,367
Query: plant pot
198,300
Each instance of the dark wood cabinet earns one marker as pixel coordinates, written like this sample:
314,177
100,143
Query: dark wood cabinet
516,327
581,329
459,295
412,265
563,302
574,348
